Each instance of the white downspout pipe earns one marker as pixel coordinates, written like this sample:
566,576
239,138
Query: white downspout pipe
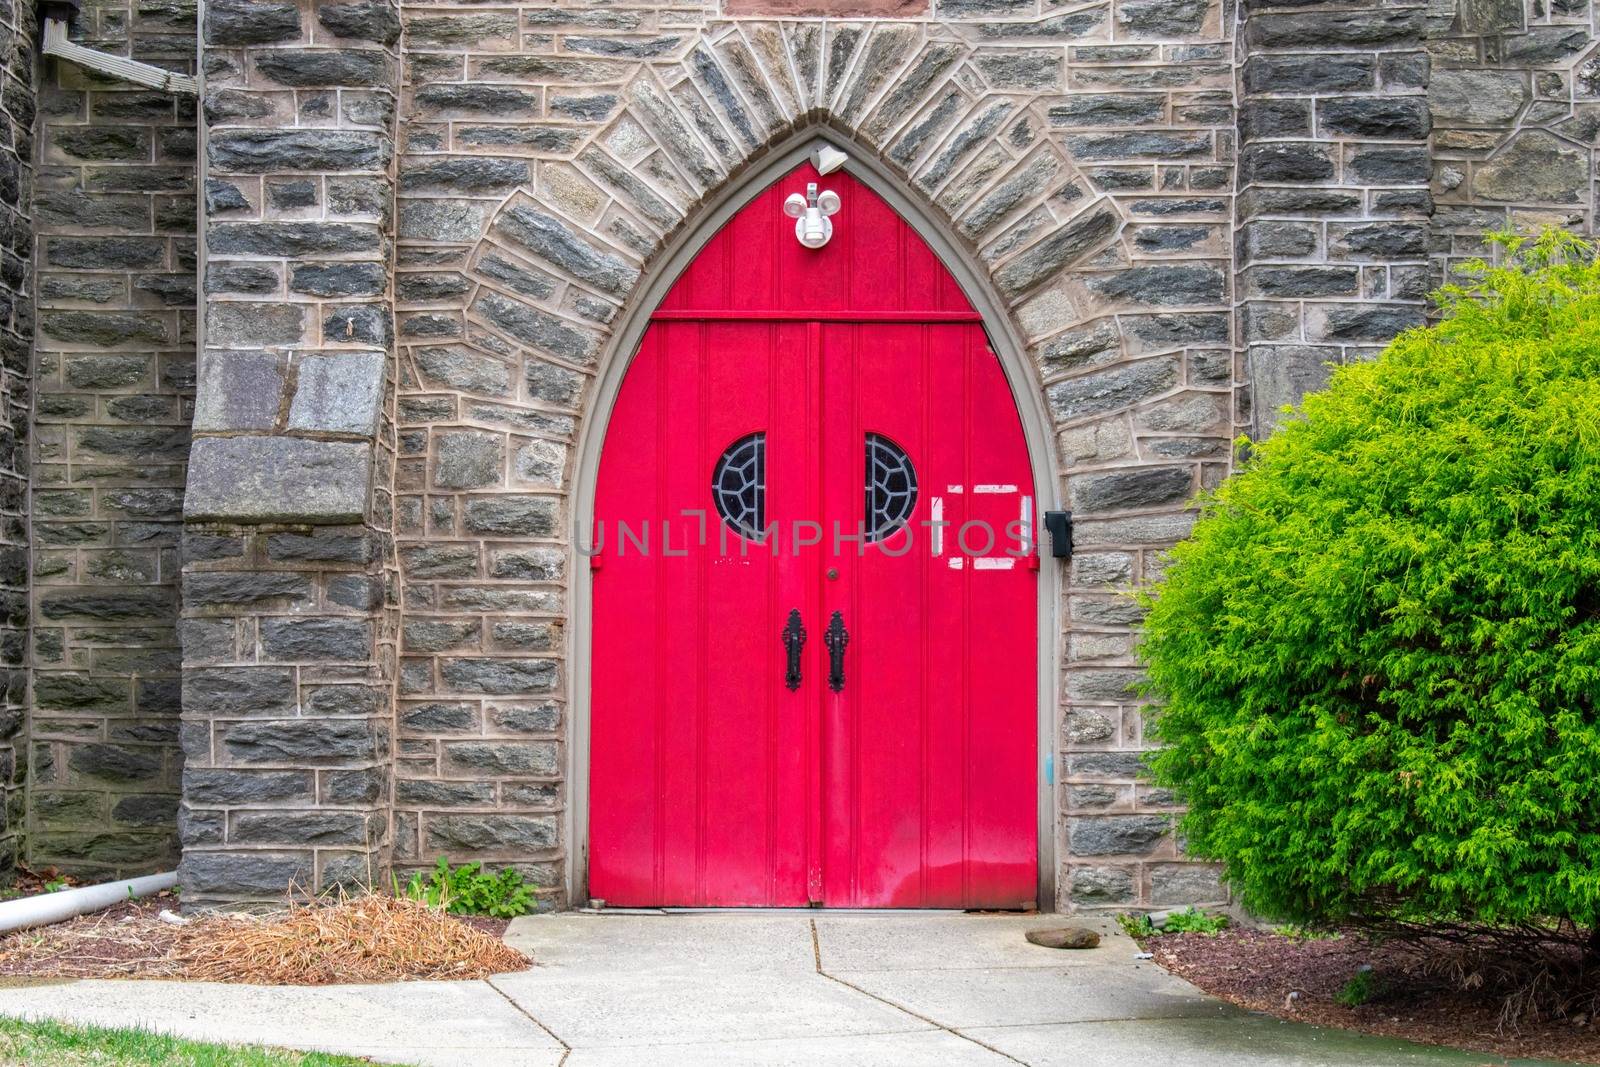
47,908
56,43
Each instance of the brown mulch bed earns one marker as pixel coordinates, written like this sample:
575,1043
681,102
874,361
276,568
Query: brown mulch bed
1297,979
363,939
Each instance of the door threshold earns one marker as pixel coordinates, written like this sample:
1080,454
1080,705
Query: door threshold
832,913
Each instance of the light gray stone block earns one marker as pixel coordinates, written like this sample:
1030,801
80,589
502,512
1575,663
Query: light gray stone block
278,479
338,393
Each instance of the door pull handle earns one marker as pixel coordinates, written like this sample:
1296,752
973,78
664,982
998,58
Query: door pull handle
794,639
836,638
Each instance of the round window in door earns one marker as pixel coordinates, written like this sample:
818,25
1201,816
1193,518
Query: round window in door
739,486
891,487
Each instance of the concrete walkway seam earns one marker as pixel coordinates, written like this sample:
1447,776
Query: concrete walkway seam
816,951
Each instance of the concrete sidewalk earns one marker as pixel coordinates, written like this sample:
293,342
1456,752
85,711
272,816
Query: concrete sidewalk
816,990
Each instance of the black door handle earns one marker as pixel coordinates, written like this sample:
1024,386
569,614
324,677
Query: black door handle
836,637
794,639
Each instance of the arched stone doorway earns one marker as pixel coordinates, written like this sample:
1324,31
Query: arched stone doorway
842,769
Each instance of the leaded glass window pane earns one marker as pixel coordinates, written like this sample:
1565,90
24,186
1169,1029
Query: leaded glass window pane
891,487
739,486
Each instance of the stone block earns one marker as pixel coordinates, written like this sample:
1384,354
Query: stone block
263,151
231,588
1114,835
251,22
115,763
1534,167
301,742
307,638
511,834
221,787
1376,117
245,873
338,393
236,691
372,20
325,67
512,515
1141,487
499,677
480,759
469,459
318,828
321,547
238,391
1102,885
278,479
1174,884
338,279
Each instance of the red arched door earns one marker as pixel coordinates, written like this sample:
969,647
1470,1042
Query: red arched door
817,441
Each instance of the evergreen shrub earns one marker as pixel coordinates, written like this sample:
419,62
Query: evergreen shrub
1377,660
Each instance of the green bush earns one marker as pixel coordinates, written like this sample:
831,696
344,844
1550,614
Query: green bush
1378,657
469,890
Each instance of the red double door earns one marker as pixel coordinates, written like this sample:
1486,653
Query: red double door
814,648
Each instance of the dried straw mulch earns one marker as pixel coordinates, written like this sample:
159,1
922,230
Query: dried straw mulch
371,938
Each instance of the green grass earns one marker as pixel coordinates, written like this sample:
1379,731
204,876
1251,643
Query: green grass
49,1044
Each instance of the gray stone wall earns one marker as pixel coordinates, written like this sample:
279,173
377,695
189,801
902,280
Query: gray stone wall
1082,154
18,78
115,215
423,225
1515,101
289,618
1333,204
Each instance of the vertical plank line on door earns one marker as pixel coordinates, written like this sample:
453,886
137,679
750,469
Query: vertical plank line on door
703,634
774,612
659,874
849,699
967,573
813,583
925,609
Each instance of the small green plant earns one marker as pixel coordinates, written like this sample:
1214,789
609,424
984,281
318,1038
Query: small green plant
59,884
1296,932
1194,921
1137,927
1358,990
469,890
1187,921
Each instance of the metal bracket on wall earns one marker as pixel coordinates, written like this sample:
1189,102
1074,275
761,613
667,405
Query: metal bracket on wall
56,43
1058,524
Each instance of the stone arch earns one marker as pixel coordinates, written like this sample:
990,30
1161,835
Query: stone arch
516,305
